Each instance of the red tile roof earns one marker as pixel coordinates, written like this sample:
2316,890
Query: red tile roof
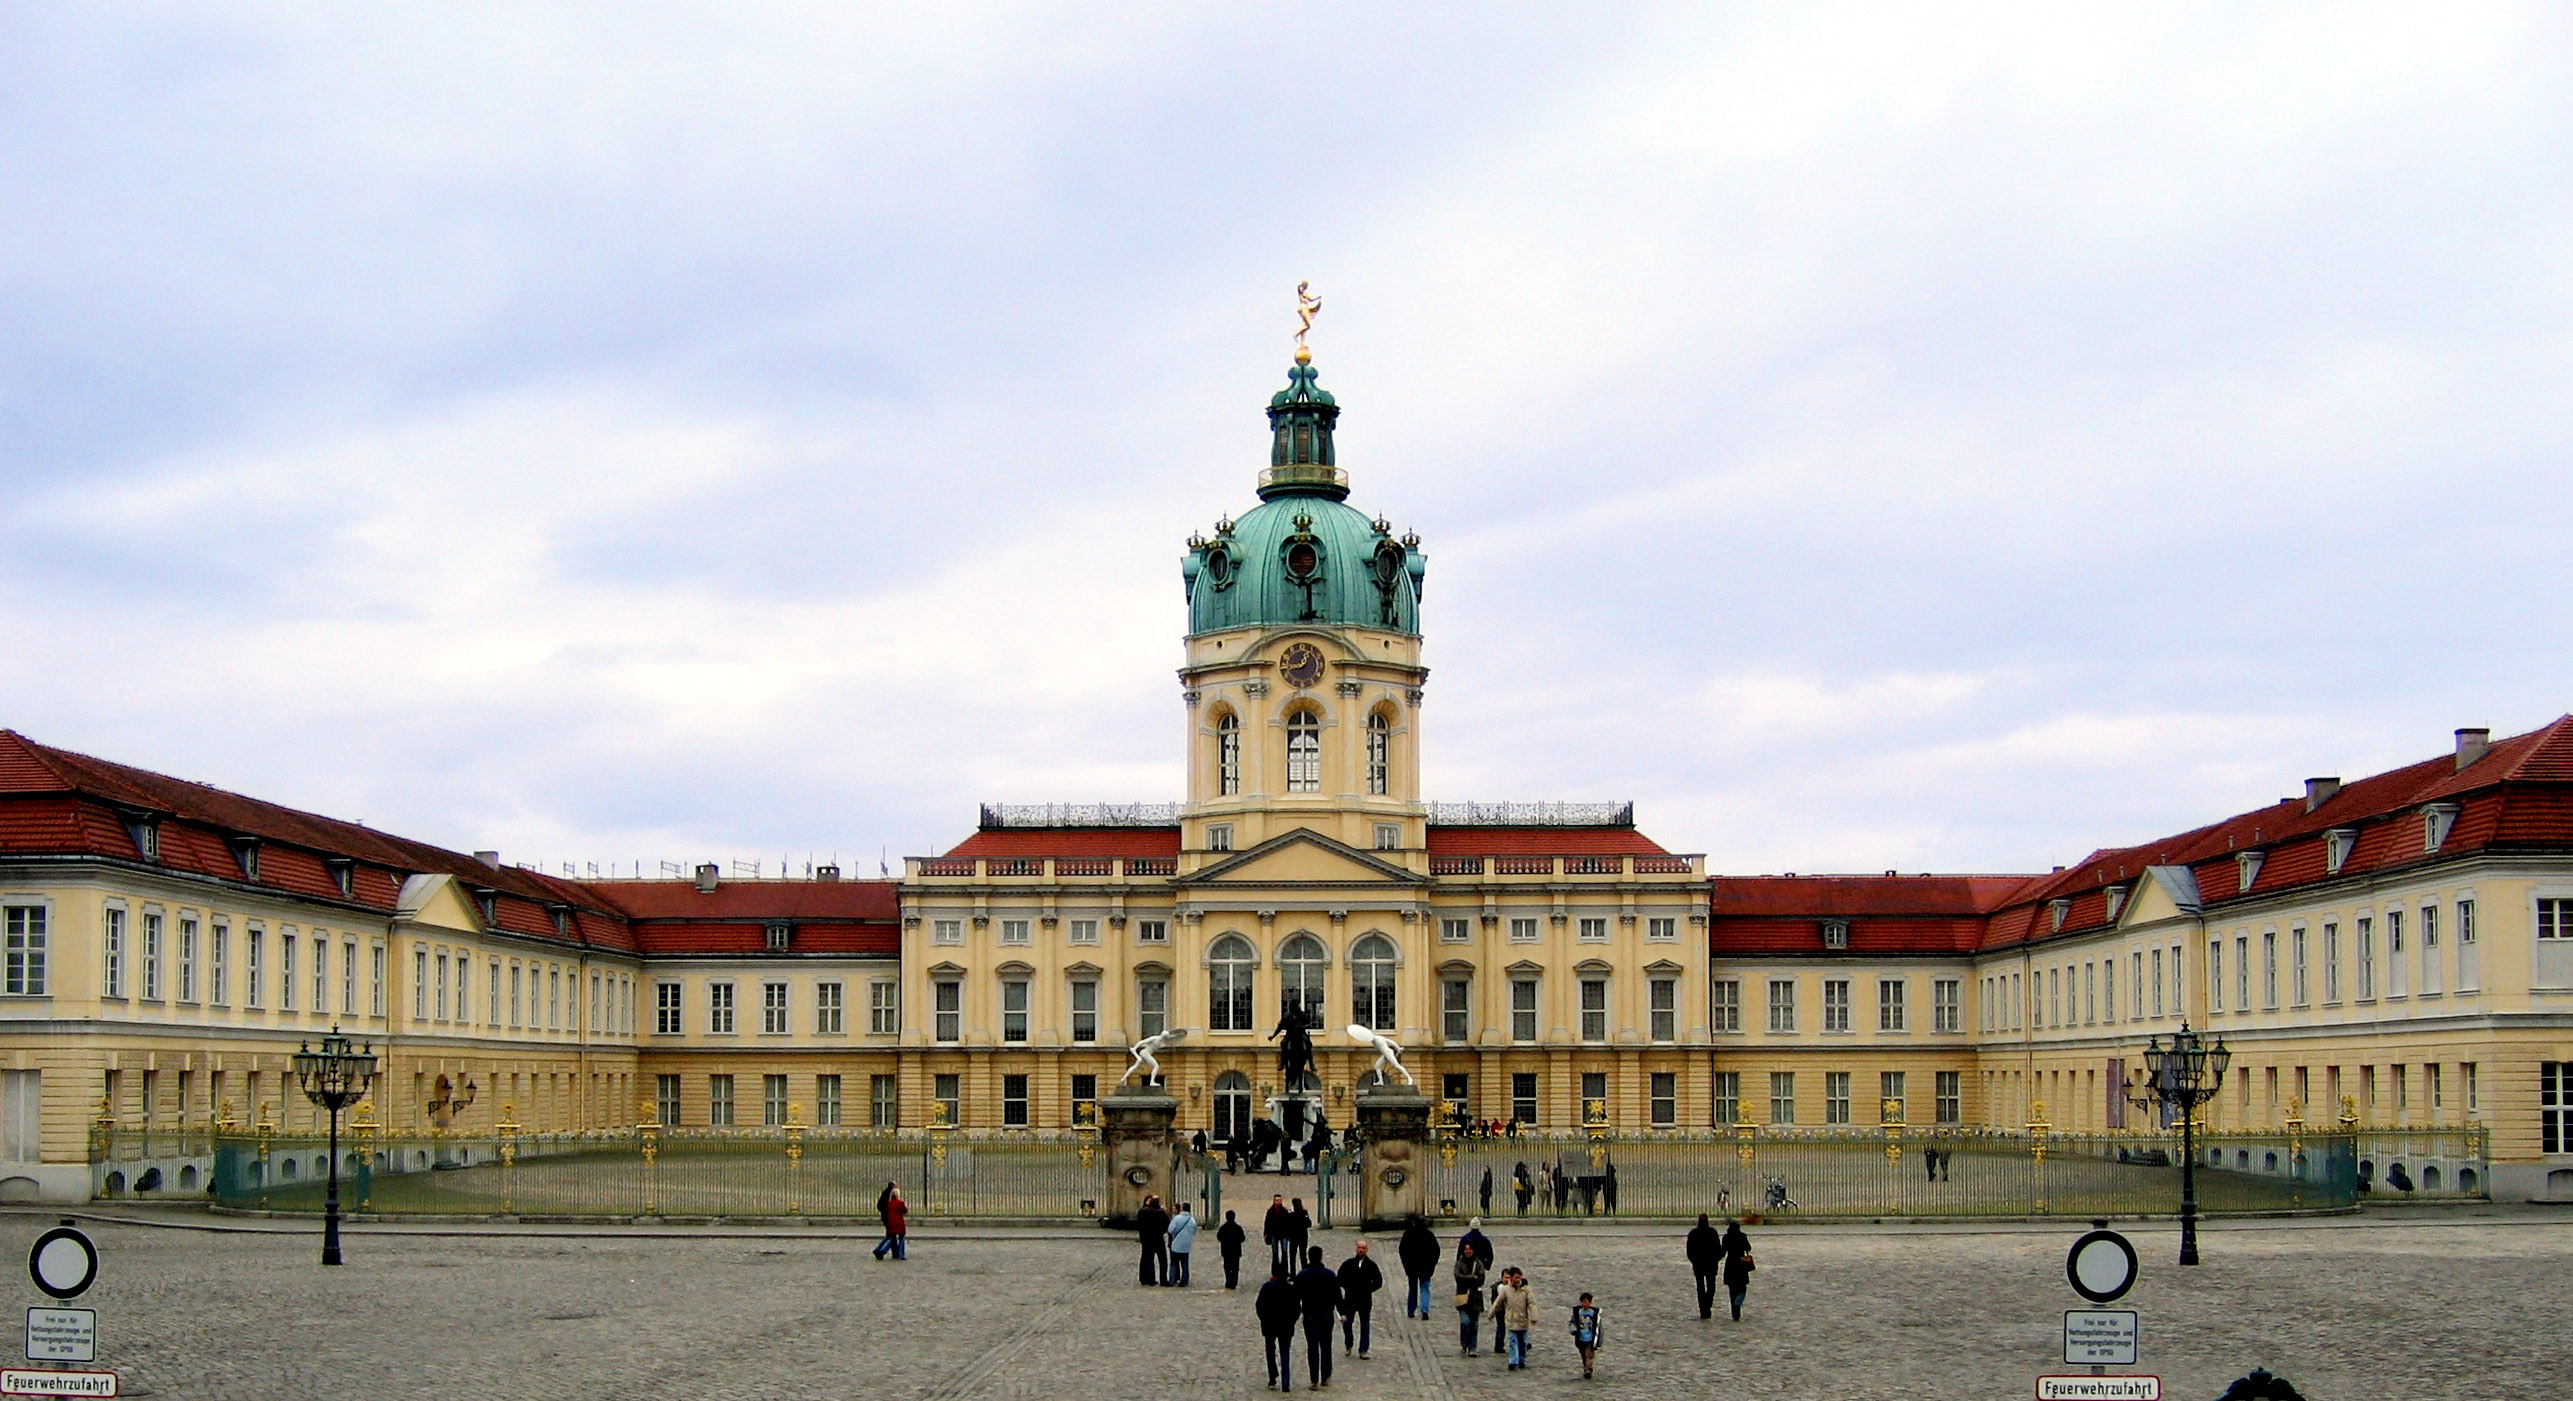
1886,914
1070,841
1541,841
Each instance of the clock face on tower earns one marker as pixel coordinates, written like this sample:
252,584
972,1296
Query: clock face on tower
1301,665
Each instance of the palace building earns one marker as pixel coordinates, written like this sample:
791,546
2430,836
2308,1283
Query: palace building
2401,944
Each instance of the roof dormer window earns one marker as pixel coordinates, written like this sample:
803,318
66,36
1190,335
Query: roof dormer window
562,920
779,936
2116,895
2437,820
246,851
2338,843
145,829
2056,910
1835,933
487,902
343,874
2247,869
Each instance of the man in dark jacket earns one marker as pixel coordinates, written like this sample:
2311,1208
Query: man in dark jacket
1152,1229
1317,1292
1487,1191
1277,1231
1228,1238
1359,1281
1278,1311
1419,1254
1299,1227
1706,1261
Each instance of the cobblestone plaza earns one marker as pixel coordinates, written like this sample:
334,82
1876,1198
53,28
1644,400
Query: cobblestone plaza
2421,1303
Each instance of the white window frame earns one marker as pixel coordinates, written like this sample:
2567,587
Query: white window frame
722,1008
1524,1024
1662,1010
1593,929
1782,1005
1455,931
1836,1000
1891,1013
1724,999
884,1007
1594,1009
830,1007
946,931
1947,1003
27,926
1661,929
773,1005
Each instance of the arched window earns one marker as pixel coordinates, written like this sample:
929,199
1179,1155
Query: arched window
1301,968
1228,753
1232,1106
1304,751
1228,984
1380,753
1371,979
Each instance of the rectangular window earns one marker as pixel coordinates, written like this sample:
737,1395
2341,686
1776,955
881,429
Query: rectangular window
25,926
2555,1106
517,975
1014,931
419,980
1947,1002
111,946
2402,1077
2367,959
2470,972
2179,992
1663,1003
286,970
1951,1103
2157,982
1454,1025
2555,919
151,956
948,1090
321,974
1594,929
2215,975
719,1101
1727,1003
1014,1009
830,1008
1889,1004
1455,931
2296,981
441,1003
883,1101
1523,1096
946,931
1661,929
2396,977
2331,962
1782,1004
884,1007
348,981
1523,930
665,1009
1889,1086
2137,966
1388,836
554,999
2433,979
1085,931
1594,1009
2474,1091
772,1100
253,984
1836,1097
187,959
1152,1006
1013,1101
1523,1009
826,1101
947,1005
1727,1109
2090,993
1835,1004
2269,968
665,1100
1085,1012
1782,1096
2054,1013
218,950
772,1009
1666,1100
719,1008
1152,931
2435,1080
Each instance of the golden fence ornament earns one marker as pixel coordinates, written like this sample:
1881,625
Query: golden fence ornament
362,1127
2037,1128
508,1128
1594,1122
1085,1125
648,1129
1890,1114
794,1159
266,1128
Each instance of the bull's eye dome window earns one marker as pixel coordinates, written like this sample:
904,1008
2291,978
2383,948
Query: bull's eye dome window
1304,751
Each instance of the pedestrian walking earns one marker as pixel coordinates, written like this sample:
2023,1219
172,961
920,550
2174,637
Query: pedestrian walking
1470,1273
1197,1143
1515,1309
1499,1286
1278,1310
1228,1239
1706,1262
1419,1255
1152,1232
1183,1239
1359,1280
1524,1189
1275,1231
1299,1229
1317,1292
1487,1191
1737,1265
1586,1333
1608,1188
895,1213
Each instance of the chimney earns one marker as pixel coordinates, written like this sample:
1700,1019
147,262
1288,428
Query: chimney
2319,791
488,858
2471,744
826,873
706,875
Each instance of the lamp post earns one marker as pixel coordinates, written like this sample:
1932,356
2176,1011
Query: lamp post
334,1077
2181,1076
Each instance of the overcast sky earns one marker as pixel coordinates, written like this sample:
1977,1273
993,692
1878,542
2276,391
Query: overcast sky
1870,437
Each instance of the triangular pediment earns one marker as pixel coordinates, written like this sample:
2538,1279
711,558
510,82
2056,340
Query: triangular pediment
1303,857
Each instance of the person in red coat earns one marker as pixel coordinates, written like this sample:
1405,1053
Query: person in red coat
896,1215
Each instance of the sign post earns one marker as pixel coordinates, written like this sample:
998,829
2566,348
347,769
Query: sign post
2101,1267
64,1264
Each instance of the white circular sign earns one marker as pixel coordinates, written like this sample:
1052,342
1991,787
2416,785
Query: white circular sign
64,1264
2101,1266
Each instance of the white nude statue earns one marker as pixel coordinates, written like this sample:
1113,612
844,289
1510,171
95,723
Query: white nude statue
1389,1056
1143,1051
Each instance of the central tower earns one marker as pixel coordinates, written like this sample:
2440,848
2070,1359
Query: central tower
1303,680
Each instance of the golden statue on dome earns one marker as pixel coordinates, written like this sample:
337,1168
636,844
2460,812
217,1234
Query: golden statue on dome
1306,305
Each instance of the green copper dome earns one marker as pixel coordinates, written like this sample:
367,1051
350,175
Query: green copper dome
1303,555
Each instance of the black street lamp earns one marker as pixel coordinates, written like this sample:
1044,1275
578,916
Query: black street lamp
334,1077
2180,1077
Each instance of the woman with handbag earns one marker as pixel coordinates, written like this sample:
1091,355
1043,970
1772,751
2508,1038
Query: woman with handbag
1737,1265
1470,1270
